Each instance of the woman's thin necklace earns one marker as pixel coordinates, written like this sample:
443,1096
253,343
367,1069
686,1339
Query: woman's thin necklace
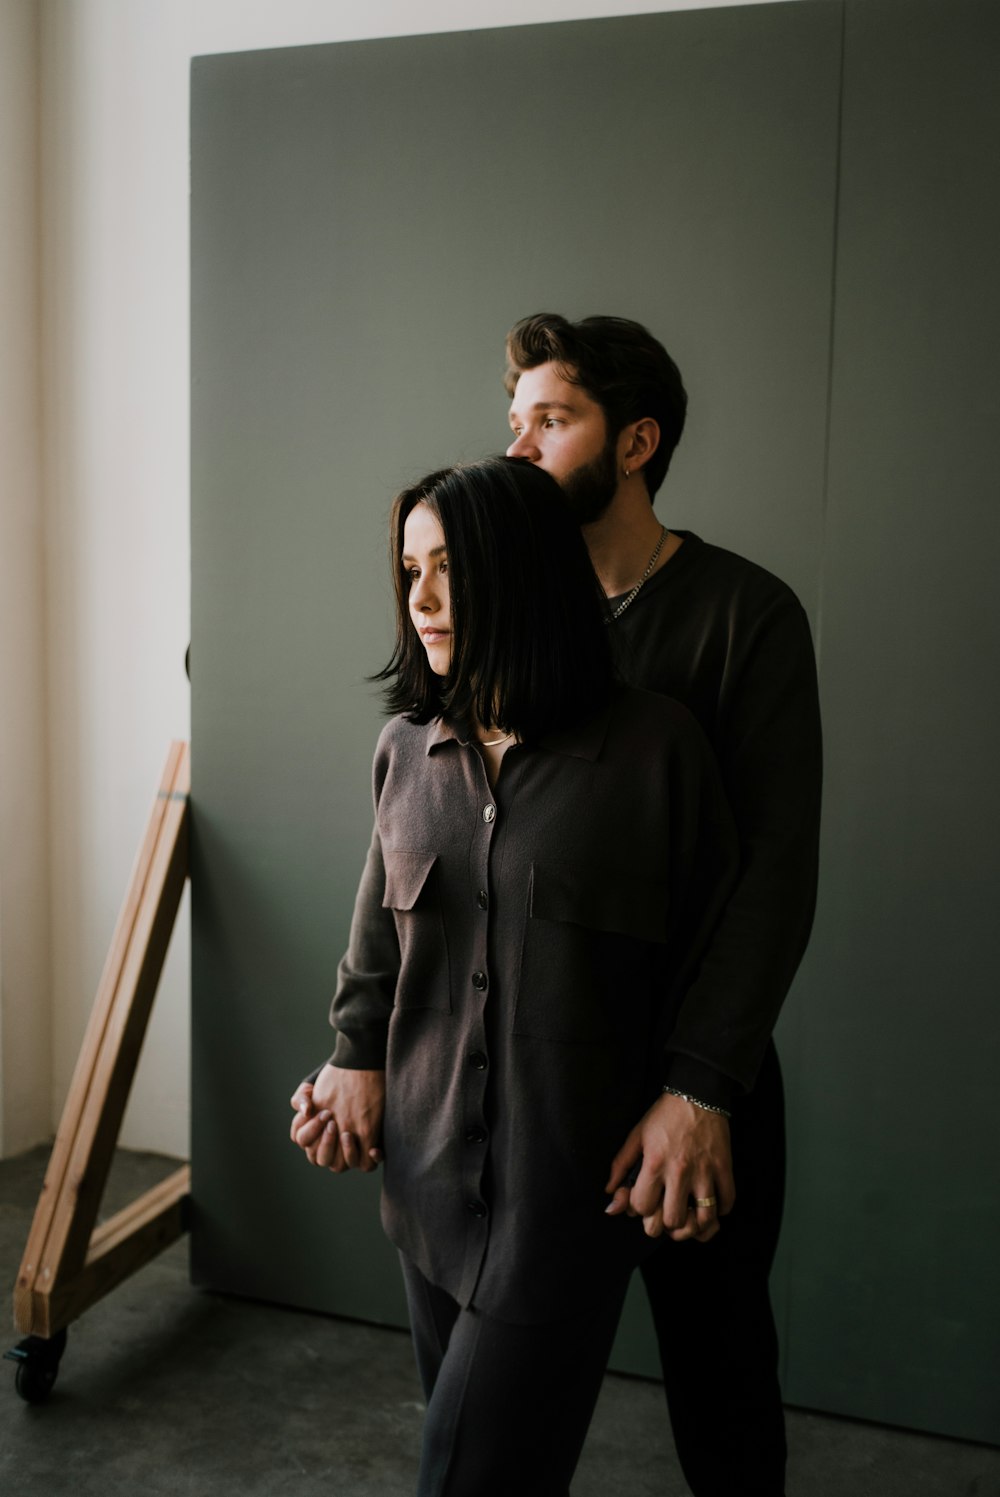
630,597
492,742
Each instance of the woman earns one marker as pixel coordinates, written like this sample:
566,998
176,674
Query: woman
549,856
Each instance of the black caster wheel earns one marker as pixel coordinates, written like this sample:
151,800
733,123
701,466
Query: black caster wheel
37,1359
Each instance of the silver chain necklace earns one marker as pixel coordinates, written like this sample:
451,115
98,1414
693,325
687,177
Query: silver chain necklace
630,597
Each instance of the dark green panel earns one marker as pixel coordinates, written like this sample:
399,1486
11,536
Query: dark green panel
896,1210
368,219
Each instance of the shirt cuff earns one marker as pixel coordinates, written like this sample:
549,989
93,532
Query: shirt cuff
362,1052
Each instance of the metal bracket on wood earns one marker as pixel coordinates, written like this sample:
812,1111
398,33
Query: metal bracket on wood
69,1263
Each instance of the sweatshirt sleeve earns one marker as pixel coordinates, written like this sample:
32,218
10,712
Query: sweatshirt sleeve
770,759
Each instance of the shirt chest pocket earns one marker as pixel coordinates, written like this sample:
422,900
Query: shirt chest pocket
593,951
412,893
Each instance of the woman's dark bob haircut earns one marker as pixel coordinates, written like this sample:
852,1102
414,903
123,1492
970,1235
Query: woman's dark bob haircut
530,649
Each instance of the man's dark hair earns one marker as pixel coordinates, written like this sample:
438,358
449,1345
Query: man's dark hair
618,363
530,649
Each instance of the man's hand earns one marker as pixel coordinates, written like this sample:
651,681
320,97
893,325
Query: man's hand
685,1154
338,1120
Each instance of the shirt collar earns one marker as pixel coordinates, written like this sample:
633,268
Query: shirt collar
584,742
440,732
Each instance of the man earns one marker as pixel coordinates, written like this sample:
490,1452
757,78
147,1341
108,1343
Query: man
600,405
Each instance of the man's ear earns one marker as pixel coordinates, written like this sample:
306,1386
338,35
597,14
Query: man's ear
637,443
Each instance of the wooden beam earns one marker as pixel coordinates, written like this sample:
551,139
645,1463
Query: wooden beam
61,1234
119,1247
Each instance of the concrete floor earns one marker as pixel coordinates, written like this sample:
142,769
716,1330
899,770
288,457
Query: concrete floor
164,1389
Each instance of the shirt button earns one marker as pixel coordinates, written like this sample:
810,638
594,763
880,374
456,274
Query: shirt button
478,1061
476,1207
489,812
482,899
475,1135
479,981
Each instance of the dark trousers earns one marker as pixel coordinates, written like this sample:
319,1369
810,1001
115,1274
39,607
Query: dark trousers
508,1406
713,1319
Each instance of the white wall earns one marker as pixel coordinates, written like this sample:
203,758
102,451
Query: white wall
114,88
25,1008
114,285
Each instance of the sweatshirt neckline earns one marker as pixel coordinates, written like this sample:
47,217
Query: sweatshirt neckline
677,563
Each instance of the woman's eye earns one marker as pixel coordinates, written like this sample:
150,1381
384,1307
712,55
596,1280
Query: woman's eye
443,567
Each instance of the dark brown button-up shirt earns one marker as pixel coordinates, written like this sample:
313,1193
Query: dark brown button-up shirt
518,962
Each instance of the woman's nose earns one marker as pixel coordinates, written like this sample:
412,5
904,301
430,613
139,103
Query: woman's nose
421,597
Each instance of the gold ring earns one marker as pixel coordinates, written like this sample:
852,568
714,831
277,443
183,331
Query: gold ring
704,1200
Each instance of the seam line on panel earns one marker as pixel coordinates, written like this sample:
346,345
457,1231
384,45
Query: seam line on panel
831,335
786,1339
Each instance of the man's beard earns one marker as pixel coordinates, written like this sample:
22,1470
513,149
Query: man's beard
591,487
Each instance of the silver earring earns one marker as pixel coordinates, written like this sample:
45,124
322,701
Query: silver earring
626,472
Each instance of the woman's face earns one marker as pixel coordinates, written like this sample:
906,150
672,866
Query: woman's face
425,562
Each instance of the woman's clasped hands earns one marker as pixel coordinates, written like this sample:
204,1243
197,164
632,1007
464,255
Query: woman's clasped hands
338,1119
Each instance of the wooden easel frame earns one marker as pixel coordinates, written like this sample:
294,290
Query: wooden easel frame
69,1264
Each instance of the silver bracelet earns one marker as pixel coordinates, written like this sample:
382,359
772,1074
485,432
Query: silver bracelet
671,1091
